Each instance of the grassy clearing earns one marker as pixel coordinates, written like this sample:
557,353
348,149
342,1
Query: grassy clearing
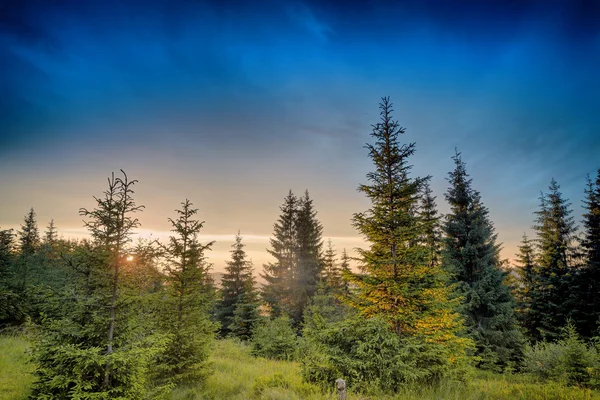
238,376
16,371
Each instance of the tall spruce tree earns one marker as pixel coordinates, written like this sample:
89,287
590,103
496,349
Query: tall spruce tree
472,257
309,257
526,284
280,275
187,301
237,309
587,283
552,303
398,282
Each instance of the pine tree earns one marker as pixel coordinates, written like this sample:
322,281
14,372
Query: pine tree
472,257
29,241
309,257
187,302
526,285
431,237
587,281
11,309
332,271
29,236
237,309
345,268
94,348
50,236
281,274
552,303
398,282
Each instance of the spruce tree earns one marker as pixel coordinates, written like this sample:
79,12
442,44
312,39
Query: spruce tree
587,282
431,237
332,270
398,282
187,301
472,257
29,241
280,275
552,301
309,257
11,309
94,347
237,307
50,236
345,268
29,236
526,284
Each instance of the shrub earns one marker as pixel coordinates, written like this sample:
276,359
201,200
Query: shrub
367,354
275,339
569,361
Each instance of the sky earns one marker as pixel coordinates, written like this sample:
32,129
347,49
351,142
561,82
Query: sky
232,104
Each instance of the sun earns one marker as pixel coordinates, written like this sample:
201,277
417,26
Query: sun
129,258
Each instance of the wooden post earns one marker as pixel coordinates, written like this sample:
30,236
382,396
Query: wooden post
340,385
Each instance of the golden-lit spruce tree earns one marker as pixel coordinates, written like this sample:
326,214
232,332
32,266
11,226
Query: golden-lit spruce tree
398,280
187,301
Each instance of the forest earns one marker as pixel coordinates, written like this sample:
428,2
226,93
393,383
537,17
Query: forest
427,309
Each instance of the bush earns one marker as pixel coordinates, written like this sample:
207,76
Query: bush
368,355
569,361
275,339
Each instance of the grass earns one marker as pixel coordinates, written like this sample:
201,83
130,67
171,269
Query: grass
239,376
16,371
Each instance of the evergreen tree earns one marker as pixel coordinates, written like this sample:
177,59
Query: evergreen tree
398,282
238,308
431,237
281,274
552,303
29,236
187,302
526,271
472,257
11,309
587,281
309,257
50,236
332,271
345,268
246,317
29,241
94,347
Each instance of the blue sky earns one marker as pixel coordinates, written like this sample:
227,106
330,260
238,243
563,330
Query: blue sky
231,104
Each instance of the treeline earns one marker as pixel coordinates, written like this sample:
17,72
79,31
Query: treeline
430,299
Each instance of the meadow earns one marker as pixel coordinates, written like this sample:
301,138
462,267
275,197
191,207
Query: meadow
239,376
